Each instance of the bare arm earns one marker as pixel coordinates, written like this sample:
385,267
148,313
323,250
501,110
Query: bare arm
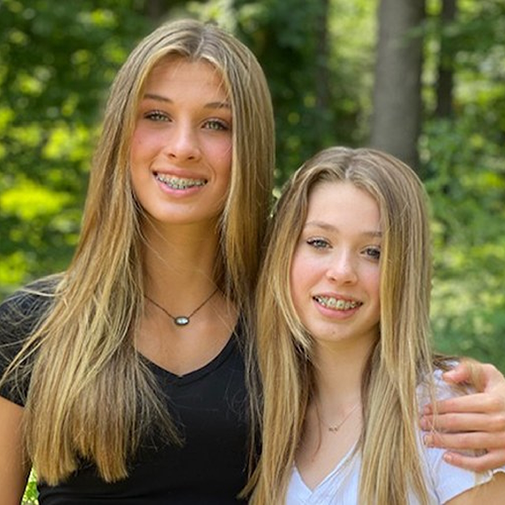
491,492
14,465
475,421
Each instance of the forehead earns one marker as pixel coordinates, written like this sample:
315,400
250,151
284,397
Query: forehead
174,69
342,203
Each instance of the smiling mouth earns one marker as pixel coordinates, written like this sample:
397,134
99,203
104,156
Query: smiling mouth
336,303
179,182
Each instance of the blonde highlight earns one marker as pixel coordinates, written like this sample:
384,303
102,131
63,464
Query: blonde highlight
86,370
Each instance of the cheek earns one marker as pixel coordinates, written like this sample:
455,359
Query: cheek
301,279
138,156
221,155
221,161
145,143
373,283
136,148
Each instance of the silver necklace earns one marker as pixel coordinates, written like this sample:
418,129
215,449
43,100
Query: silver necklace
334,428
182,320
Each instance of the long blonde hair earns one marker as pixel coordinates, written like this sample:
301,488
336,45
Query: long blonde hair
391,463
90,394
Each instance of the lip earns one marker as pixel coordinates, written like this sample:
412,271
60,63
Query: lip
176,171
335,305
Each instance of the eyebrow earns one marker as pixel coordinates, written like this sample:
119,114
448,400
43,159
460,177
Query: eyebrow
210,105
329,227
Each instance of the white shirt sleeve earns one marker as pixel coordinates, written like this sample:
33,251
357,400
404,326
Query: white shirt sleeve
445,481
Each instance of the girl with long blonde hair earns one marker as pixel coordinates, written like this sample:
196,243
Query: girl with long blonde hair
343,343
130,382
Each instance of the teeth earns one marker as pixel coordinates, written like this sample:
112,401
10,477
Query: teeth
179,182
336,304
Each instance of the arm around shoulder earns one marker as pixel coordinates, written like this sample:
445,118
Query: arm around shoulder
14,464
491,492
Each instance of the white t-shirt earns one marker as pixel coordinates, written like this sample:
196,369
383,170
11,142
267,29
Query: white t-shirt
340,486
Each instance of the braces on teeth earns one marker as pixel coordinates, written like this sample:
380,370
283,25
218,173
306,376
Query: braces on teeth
333,303
178,183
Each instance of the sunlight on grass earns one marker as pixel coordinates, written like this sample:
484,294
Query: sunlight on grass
30,497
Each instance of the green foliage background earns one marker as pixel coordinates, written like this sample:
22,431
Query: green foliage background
58,58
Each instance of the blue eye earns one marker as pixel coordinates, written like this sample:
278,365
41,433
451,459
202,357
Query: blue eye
156,115
373,252
318,243
216,124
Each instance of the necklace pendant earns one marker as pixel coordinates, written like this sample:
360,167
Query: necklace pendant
181,320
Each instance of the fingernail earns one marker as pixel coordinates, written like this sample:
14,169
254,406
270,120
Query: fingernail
428,440
450,376
448,457
424,423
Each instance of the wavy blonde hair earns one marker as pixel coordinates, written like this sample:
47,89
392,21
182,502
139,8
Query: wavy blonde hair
91,395
391,463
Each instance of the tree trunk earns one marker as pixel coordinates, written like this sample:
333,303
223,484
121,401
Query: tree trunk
156,10
396,119
445,81
322,124
322,73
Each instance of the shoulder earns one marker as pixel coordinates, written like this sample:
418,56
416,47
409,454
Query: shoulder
433,387
444,481
21,311
20,314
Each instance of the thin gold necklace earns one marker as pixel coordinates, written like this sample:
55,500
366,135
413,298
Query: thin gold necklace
182,320
336,427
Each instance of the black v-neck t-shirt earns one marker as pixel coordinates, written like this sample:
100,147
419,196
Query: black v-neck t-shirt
208,405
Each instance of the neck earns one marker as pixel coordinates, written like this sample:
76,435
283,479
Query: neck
338,372
180,264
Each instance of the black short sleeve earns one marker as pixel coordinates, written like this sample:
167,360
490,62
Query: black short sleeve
19,316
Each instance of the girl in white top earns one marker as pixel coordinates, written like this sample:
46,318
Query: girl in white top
344,347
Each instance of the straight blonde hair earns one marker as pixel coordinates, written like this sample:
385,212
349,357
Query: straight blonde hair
391,464
91,395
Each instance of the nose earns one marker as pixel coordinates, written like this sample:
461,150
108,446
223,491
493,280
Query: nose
182,143
341,268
